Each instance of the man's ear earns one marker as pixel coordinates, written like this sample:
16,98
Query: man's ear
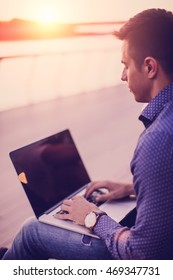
151,67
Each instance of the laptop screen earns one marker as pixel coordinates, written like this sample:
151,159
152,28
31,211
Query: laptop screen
50,170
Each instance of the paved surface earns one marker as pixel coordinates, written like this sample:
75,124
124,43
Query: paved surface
104,124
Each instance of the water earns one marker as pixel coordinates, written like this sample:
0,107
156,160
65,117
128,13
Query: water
47,69
12,48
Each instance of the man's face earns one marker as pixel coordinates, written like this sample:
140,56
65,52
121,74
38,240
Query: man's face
137,79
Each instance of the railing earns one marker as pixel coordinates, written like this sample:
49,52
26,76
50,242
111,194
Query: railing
32,78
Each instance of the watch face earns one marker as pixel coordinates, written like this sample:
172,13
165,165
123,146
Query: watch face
90,220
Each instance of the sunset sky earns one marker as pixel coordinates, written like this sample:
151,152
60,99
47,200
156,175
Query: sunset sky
76,10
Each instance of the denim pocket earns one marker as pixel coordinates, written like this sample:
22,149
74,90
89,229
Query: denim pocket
86,240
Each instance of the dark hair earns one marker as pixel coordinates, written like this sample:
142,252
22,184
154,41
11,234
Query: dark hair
150,33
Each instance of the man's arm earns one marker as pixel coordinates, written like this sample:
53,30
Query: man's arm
151,237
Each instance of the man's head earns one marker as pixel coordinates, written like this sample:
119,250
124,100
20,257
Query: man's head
148,42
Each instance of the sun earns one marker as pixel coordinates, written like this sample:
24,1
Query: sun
47,15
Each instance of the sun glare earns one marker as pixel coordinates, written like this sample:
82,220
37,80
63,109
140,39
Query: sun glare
47,15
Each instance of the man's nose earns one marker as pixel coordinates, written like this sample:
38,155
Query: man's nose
124,76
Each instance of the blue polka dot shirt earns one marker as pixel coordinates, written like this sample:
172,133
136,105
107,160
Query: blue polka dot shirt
152,168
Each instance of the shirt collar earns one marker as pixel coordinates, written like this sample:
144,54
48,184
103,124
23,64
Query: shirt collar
152,110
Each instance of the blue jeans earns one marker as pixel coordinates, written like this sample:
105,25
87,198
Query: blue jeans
38,241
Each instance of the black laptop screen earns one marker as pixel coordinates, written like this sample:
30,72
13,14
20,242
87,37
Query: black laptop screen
50,170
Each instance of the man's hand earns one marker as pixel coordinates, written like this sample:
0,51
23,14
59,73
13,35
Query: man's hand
115,190
77,207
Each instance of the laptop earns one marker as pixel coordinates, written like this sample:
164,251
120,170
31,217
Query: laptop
51,170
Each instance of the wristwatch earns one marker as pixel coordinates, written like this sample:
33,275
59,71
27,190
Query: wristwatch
92,218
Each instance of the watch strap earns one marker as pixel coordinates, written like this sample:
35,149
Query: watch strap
98,214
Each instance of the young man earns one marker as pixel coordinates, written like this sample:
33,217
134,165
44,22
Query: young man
147,56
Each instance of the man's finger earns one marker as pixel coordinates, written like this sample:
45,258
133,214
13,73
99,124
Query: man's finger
65,208
67,202
103,197
94,186
77,197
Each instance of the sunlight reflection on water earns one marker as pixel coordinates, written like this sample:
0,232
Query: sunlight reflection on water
54,68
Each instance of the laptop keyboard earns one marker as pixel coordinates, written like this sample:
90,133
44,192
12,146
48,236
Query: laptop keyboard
91,198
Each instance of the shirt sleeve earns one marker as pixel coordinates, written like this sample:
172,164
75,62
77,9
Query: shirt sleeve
151,236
